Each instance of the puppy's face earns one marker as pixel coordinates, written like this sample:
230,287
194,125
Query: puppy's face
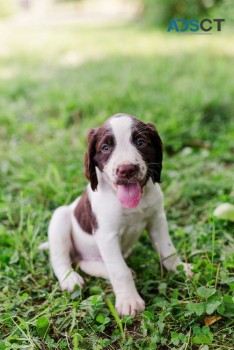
127,152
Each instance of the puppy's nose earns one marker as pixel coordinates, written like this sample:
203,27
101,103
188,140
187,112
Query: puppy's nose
127,170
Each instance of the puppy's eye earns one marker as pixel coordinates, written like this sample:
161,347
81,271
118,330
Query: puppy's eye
140,143
106,148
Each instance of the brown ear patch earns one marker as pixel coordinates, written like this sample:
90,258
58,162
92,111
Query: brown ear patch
90,171
152,154
84,215
94,156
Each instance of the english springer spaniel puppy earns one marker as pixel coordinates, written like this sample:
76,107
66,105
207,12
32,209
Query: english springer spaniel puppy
99,229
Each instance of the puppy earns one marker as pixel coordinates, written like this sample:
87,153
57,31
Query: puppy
99,229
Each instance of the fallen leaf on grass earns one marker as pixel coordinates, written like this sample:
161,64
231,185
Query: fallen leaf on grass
212,319
225,211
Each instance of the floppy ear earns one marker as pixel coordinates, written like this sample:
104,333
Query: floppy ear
90,171
155,164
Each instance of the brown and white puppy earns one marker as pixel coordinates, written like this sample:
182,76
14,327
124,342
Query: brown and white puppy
123,197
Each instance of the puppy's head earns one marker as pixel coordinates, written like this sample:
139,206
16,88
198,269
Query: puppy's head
127,152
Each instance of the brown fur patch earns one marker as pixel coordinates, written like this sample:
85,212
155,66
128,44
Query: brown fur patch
152,151
84,215
94,155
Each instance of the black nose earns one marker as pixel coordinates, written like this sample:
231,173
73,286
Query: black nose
127,171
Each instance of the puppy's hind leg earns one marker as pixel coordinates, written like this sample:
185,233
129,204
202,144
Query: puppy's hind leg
94,268
60,245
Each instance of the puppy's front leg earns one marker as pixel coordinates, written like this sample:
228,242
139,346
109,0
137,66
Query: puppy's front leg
128,301
158,231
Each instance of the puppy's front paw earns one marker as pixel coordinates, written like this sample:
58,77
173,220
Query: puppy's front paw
187,269
71,280
129,304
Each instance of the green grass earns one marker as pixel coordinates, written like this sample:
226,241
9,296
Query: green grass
56,83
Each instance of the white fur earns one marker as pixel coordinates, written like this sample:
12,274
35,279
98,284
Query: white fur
124,152
102,253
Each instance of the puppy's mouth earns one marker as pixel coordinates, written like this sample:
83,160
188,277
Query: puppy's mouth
129,192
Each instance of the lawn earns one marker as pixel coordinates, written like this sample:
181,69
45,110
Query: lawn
56,83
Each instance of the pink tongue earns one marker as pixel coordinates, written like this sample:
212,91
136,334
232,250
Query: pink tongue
129,195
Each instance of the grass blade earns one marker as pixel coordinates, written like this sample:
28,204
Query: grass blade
116,317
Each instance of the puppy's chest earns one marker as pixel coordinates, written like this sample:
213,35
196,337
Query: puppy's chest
130,228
